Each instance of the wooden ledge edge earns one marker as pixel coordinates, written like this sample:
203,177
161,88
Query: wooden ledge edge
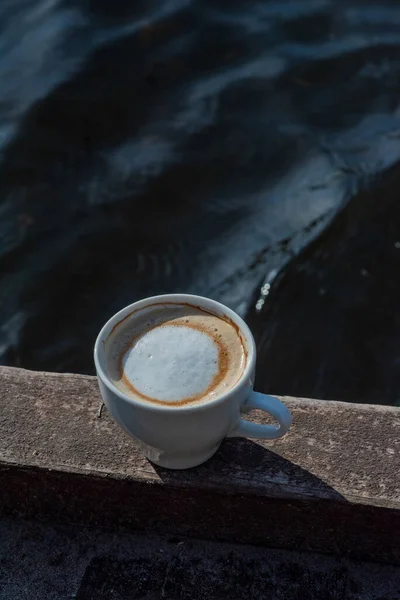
331,485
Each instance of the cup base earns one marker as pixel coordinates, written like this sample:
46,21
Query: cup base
171,461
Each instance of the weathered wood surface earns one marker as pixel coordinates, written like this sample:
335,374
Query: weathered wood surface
332,484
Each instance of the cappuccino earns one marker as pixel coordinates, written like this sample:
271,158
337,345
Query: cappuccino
175,354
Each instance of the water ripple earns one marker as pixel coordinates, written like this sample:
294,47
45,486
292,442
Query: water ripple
192,146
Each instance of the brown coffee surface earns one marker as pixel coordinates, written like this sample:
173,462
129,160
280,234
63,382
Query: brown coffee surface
175,354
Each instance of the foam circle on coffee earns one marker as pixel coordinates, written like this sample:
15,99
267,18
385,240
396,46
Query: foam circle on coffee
176,355
189,370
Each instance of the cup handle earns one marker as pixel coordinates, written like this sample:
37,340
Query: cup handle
270,405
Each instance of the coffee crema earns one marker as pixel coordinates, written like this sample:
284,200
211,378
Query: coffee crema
175,354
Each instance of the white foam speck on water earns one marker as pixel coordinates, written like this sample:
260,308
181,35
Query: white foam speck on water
171,363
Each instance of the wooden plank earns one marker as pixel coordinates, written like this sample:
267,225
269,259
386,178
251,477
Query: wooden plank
332,484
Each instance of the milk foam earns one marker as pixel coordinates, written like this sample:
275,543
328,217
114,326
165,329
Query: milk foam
172,363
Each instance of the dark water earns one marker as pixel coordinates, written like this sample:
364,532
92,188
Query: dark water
211,148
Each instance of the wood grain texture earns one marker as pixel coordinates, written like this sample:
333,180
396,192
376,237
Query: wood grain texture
332,484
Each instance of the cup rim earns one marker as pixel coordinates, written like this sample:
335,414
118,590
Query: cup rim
201,302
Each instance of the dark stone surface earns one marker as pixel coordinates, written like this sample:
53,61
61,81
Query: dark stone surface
235,574
48,562
330,485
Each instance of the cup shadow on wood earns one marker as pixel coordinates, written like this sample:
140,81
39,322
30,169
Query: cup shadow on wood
250,466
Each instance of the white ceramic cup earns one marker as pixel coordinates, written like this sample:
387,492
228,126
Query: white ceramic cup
180,437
